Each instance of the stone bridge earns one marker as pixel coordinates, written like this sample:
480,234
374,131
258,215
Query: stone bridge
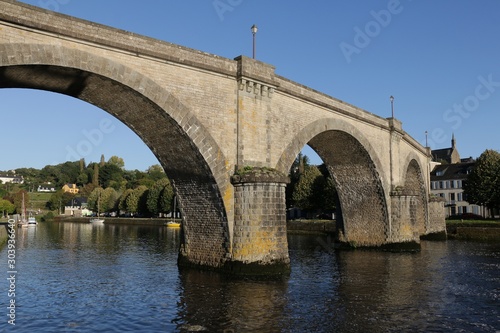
226,132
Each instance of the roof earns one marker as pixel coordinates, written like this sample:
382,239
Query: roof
452,171
441,154
77,202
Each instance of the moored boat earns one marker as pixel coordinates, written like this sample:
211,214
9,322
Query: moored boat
96,220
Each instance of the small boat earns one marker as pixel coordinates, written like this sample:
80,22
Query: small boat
32,222
173,224
23,223
97,219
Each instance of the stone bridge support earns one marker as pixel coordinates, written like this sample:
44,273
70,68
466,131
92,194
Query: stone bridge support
260,243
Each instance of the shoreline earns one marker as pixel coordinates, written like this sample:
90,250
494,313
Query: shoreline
488,231
117,220
477,230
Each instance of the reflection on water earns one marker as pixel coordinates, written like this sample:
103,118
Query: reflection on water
114,278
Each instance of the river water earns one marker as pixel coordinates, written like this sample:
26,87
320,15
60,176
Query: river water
114,278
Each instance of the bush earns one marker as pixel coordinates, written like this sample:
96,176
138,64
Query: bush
466,216
47,217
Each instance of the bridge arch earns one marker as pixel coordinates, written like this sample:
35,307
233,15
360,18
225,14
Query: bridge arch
190,156
414,186
354,165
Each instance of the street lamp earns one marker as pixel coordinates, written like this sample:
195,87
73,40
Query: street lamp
254,31
392,105
426,143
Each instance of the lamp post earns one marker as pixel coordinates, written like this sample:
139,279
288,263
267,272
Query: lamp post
392,105
254,31
426,143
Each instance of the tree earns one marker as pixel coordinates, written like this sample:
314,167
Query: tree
87,189
82,165
136,201
93,200
482,186
18,200
6,207
118,161
103,200
82,179
298,166
59,199
156,172
305,188
110,173
95,175
122,205
110,200
160,197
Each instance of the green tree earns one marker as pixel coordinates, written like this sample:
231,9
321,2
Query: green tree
6,207
59,199
98,200
303,194
110,200
298,166
118,161
95,175
160,197
482,186
122,205
82,165
87,189
156,172
82,179
18,200
136,201
110,173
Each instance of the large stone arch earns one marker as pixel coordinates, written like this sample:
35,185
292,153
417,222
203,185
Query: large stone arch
414,187
187,152
354,167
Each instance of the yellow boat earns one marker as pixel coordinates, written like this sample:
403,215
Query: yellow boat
172,224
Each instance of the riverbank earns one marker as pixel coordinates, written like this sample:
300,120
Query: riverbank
479,230
4,235
455,229
310,226
116,220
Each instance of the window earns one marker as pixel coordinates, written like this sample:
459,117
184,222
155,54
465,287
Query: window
452,196
441,185
452,184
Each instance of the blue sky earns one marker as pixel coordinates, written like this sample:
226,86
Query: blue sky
439,59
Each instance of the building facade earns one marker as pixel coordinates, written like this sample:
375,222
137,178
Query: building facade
11,178
447,180
71,188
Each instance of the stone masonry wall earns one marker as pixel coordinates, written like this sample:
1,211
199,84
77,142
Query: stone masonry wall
437,215
404,219
260,222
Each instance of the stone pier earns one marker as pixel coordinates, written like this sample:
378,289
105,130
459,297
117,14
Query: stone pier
260,243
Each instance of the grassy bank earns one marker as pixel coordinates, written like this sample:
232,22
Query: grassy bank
310,226
480,230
